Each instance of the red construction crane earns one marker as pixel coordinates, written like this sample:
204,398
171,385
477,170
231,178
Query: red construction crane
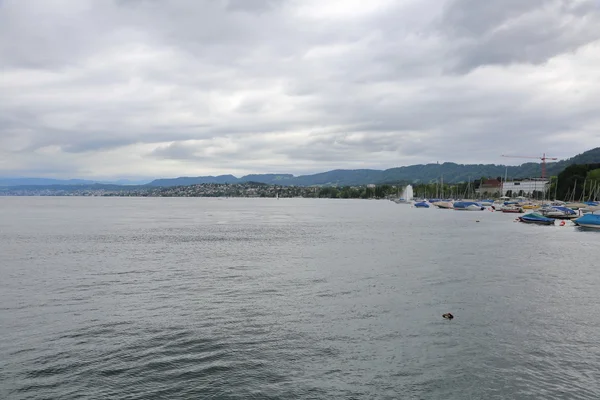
543,158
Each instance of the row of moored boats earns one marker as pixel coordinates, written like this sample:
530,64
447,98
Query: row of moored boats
584,214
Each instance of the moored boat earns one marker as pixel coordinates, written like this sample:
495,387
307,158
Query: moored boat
576,206
588,221
512,209
468,206
535,218
421,204
558,212
444,204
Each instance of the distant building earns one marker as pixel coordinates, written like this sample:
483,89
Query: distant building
490,187
527,186
371,186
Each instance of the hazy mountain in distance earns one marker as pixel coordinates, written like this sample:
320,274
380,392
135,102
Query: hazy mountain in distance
452,173
185,180
67,182
42,181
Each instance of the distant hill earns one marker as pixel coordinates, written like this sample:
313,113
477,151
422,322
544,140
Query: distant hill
276,179
42,182
11,182
186,181
127,182
452,173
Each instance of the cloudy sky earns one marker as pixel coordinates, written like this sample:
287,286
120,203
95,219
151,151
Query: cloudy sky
144,88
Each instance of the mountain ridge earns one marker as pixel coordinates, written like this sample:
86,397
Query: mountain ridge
418,173
13,182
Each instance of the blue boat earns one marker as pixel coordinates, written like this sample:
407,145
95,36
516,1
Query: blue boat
422,204
535,218
468,206
588,221
557,212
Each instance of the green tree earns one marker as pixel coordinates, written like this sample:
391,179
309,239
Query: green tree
571,180
594,175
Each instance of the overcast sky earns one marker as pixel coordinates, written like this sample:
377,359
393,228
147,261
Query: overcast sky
144,88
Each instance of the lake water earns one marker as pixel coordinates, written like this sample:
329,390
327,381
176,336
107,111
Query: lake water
156,298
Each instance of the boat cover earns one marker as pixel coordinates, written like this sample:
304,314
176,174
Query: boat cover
566,210
589,219
535,217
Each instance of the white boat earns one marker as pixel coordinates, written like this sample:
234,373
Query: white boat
497,206
512,209
468,206
446,205
558,212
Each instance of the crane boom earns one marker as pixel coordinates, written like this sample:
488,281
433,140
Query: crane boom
543,158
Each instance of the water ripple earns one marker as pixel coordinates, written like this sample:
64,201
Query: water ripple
286,300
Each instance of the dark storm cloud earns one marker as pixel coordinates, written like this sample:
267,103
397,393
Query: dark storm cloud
180,87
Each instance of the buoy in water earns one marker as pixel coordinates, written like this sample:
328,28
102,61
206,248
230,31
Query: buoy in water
447,316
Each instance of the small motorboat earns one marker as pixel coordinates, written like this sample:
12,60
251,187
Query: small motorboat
422,204
591,220
401,201
445,205
535,218
512,209
576,206
558,212
468,206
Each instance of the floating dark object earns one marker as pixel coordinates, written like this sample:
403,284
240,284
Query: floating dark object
447,316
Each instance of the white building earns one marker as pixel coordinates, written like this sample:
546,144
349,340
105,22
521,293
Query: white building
528,186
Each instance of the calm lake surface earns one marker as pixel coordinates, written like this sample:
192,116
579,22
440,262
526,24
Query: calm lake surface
168,298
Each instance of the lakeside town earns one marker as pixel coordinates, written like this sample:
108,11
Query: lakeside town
200,190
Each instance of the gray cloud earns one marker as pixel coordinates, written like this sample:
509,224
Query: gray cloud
514,31
93,88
